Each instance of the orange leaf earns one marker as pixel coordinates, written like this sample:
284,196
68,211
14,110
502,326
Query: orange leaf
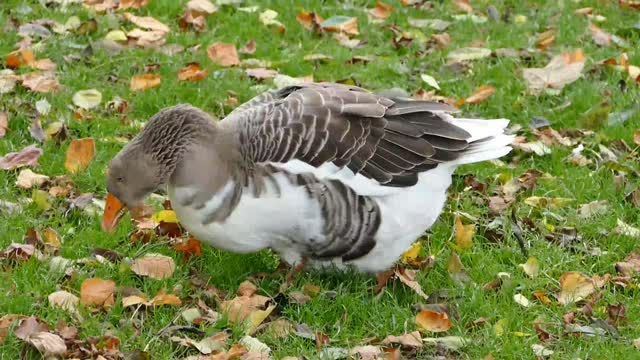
18,58
192,72
381,10
190,248
79,154
545,39
433,321
309,20
40,82
223,54
481,94
463,5
96,291
144,81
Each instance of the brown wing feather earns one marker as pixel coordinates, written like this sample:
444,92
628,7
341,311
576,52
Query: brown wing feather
389,140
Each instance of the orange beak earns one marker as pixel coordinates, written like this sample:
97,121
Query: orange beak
113,211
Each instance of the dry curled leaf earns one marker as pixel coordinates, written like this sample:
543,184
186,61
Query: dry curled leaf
28,156
144,81
192,72
413,339
381,11
574,287
630,265
223,54
40,82
433,321
79,154
464,234
161,298
147,22
531,267
28,179
562,70
341,24
155,266
481,94
97,292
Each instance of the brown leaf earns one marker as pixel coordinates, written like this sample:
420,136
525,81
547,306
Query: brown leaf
29,326
542,297
574,287
147,22
4,124
545,39
309,20
463,5
381,10
600,36
18,251
238,309
297,297
341,24
543,335
433,321
261,73
201,7
5,323
155,266
248,48
480,94
161,298
616,313
322,339
135,4
28,156
19,58
190,248
28,179
146,39
192,72
563,69
223,54
630,265
97,292
80,154
247,288
144,81
64,300
410,340
47,343
40,82
407,277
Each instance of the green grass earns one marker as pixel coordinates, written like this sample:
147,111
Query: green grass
355,313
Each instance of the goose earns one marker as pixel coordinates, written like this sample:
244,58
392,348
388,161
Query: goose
324,174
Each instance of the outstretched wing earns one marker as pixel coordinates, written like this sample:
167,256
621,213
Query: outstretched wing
388,140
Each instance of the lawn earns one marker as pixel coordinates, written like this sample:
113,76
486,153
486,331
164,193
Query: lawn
599,111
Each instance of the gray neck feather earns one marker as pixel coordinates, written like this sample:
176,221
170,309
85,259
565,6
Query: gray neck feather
170,133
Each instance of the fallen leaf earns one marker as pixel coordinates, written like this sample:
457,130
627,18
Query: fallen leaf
144,82
43,107
482,93
429,80
192,72
630,265
603,38
531,267
452,343
40,82
522,300
28,156
223,54
28,179
544,202
562,70
5,323
366,352
433,321
463,5
407,277
147,22
146,39
433,24
246,288
87,99
468,54
413,339
381,11
309,20
155,266
464,234
545,39
541,351
343,24
80,154
97,292
4,124
256,318
593,208
297,297
261,73
161,298
574,287
542,297
47,343
268,18
201,7
190,248
456,269
65,301
625,229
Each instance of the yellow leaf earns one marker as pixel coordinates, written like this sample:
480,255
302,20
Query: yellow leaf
531,267
168,216
464,234
541,201
412,254
498,328
256,318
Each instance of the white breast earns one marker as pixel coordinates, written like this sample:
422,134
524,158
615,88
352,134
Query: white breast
271,220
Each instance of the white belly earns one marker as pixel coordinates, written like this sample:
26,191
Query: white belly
271,220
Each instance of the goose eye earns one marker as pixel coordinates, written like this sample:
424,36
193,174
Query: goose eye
120,179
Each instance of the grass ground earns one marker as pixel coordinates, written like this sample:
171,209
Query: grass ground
355,313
